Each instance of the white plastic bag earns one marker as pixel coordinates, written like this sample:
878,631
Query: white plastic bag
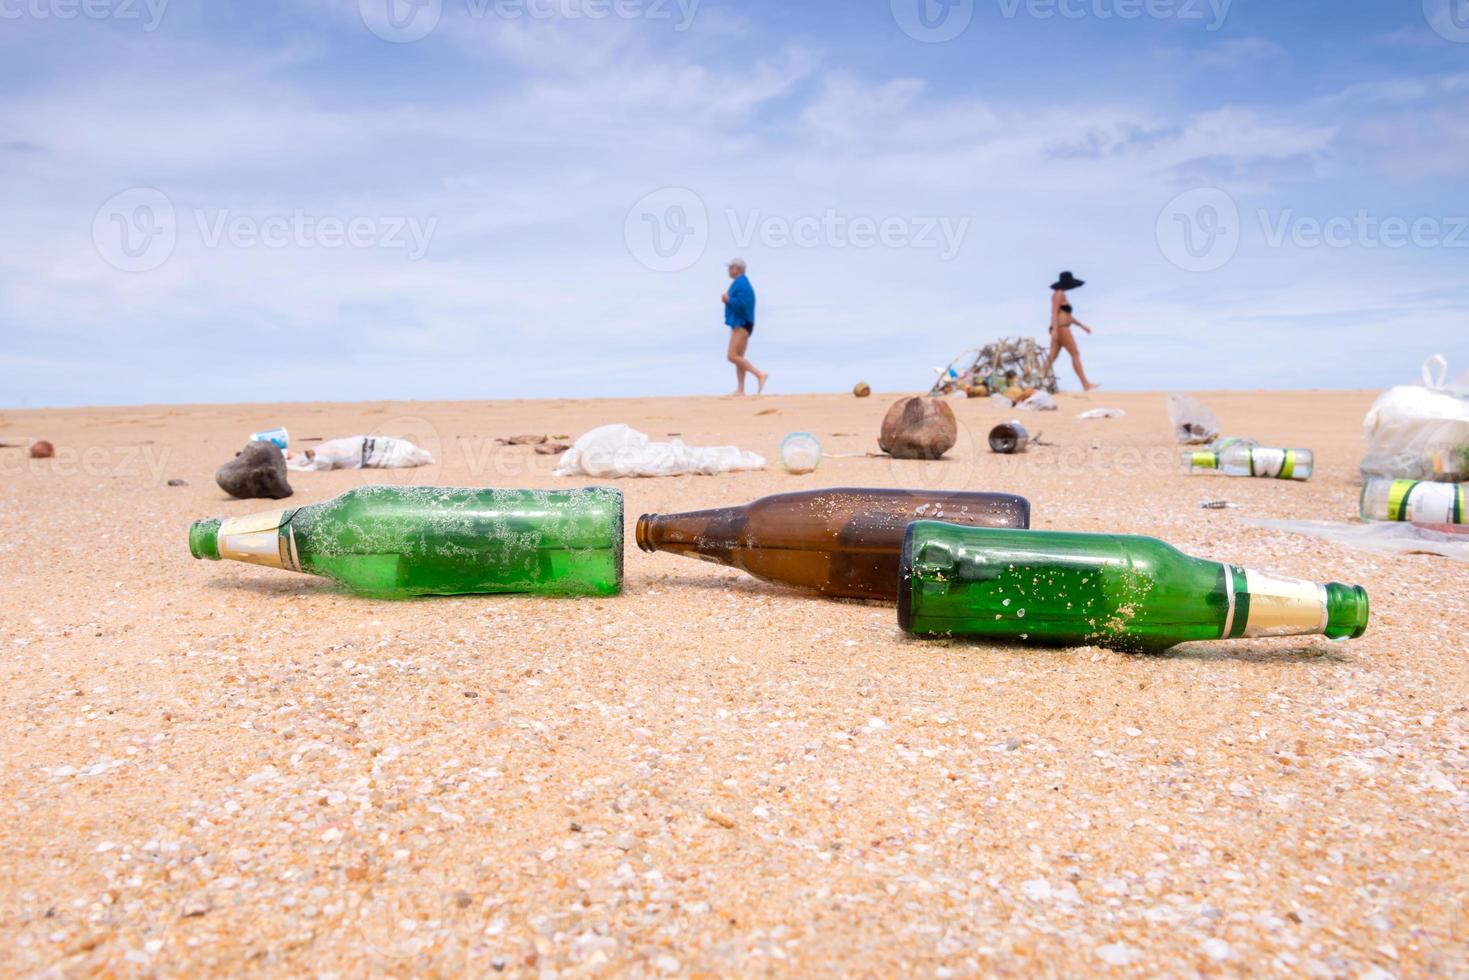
1382,539
1418,432
1103,413
1193,423
362,452
1041,401
615,451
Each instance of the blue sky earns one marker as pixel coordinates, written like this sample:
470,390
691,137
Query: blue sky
305,199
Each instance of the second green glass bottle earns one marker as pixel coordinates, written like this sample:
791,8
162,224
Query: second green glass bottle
1123,592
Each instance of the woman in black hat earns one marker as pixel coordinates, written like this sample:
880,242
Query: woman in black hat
1061,323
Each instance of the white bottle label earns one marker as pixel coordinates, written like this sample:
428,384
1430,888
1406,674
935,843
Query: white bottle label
255,539
1435,503
1284,606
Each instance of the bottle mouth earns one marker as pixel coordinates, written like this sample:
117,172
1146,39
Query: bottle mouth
1347,613
644,532
204,539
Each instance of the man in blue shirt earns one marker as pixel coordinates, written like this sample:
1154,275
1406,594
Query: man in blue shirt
739,316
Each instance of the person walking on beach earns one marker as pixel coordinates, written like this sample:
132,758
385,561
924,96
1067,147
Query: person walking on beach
739,316
1062,321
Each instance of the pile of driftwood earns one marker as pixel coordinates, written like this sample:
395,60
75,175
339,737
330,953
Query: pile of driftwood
1016,362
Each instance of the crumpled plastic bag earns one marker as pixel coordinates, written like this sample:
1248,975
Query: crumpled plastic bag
362,452
615,451
1417,432
1193,423
1103,413
1041,401
1382,539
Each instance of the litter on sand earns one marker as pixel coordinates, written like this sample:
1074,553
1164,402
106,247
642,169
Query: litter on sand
361,453
1420,432
616,451
1041,401
1193,423
1104,413
800,452
1382,539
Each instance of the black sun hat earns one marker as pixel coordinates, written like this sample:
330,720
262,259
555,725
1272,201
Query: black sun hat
1068,282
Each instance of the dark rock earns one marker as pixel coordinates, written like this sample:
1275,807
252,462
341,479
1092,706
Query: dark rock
919,428
41,449
259,470
178,483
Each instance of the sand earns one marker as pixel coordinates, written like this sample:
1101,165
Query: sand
215,768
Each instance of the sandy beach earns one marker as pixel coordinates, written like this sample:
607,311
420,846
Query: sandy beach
216,768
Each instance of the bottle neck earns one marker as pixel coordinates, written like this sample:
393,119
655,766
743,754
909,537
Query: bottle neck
678,533
257,539
1264,605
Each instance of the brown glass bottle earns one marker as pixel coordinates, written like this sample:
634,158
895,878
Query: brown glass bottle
839,542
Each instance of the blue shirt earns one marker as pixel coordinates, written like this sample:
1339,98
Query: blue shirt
740,310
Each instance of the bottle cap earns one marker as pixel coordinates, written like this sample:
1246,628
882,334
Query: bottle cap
204,539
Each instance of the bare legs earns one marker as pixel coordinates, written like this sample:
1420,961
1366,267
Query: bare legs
1061,337
739,340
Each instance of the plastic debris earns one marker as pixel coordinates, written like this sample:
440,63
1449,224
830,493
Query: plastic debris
616,451
1103,413
1041,401
1383,539
277,437
1420,432
361,453
800,452
1193,423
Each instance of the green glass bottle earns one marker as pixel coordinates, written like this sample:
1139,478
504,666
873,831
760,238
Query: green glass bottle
1127,593
395,542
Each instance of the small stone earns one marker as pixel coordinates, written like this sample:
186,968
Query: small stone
862,389
1117,954
41,449
1218,950
1037,890
624,842
716,817
257,471
196,905
178,483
